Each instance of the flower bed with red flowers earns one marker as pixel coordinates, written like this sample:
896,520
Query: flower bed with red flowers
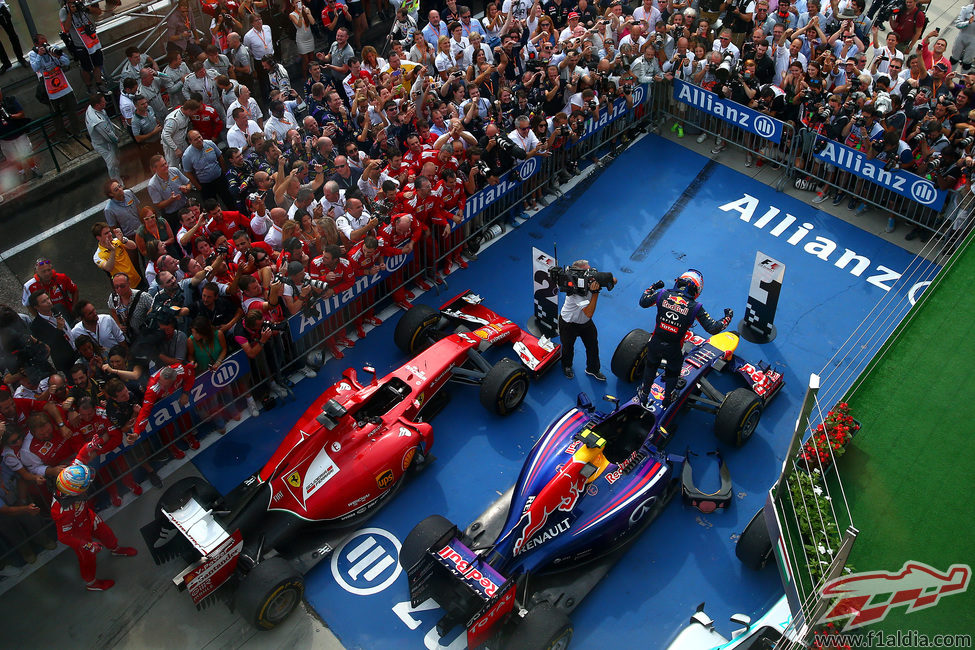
834,434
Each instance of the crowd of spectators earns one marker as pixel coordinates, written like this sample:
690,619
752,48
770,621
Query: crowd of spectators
278,183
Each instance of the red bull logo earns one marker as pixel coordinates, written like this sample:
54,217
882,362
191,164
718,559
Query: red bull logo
466,569
916,586
678,300
657,391
561,493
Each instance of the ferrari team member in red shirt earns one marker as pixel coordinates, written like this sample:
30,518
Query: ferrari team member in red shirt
16,409
338,272
44,453
399,237
80,528
223,221
103,438
165,382
206,120
450,191
58,286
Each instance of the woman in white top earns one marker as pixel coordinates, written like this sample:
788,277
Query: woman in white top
302,19
372,62
423,53
493,23
444,62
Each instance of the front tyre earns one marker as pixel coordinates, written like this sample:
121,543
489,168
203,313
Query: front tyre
754,547
738,416
543,628
424,535
412,333
630,355
504,387
269,593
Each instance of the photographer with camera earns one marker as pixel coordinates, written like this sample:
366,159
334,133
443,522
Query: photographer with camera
50,62
677,309
75,17
575,317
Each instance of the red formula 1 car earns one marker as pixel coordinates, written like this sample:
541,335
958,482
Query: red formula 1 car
346,456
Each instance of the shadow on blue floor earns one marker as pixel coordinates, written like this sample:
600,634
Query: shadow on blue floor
657,210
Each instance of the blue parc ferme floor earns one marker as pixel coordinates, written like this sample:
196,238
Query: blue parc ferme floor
656,211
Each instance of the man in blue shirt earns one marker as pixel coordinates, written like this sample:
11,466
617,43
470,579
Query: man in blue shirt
204,166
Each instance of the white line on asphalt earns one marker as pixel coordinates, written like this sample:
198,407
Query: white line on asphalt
81,216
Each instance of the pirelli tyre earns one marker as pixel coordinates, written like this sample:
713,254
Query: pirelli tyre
543,628
630,354
424,535
269,593
504,387
177,494
754,547
738,416
413,330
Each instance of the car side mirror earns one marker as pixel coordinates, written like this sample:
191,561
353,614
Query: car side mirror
370,370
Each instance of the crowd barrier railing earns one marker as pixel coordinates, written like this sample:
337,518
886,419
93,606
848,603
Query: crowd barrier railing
221,394
802,153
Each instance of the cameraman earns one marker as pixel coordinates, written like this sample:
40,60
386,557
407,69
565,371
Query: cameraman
575,321
50,62
76,20
498,151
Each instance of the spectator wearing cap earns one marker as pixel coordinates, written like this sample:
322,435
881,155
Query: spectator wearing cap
122,208
62,291
940,85
52,330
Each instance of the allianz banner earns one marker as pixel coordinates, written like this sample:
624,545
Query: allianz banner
734,113
899,182
207,384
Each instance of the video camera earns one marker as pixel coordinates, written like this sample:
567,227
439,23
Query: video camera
575,282
887,11
274,327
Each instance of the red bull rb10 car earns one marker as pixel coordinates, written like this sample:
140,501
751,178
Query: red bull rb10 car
346,456
589,486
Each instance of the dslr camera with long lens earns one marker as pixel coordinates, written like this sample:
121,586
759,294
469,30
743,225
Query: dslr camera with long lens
321,285
575,282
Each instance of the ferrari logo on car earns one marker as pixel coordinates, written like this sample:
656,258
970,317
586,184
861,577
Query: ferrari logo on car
295,479
385,479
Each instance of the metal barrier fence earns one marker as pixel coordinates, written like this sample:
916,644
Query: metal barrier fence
805,158
224,393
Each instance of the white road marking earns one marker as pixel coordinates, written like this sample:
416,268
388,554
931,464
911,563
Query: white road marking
81,216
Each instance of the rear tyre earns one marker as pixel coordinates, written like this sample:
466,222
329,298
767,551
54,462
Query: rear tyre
412,333
754,547
177,494
543,628
630,354
269,593
504,387
424,535
738,416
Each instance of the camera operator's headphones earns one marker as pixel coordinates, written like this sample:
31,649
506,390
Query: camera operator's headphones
691,281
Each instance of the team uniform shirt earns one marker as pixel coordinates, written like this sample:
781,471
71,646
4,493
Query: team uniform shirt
154,392
208,122
364,262
24,408
451,195
231,222
339,279
102,438
38,455
203,162
161,189
425,210
59,290
392,243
